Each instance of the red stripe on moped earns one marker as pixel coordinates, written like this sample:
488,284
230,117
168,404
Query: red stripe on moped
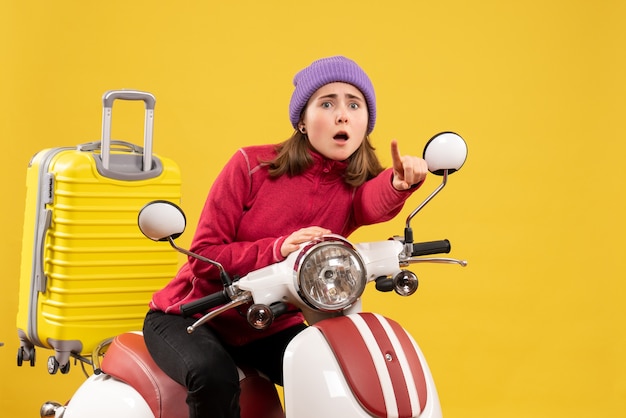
371,349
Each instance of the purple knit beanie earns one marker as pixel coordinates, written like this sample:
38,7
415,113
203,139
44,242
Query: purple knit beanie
329,70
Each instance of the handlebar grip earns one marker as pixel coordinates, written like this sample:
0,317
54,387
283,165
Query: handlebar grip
279,308
384,284
204,304
431,247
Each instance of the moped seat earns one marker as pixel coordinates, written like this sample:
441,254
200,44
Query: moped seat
128,360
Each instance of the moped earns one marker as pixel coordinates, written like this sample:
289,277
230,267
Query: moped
346,363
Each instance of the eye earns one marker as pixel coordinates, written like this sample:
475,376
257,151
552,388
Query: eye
325,105
354,106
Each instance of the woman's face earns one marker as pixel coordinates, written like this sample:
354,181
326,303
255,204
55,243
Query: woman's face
335,120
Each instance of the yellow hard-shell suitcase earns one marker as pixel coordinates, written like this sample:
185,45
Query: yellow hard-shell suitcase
87,272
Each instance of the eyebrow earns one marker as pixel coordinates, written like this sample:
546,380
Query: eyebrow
334,96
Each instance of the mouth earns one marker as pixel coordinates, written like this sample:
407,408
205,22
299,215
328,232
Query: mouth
341,136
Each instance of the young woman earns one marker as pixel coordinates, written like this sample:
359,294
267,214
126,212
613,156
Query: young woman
267,201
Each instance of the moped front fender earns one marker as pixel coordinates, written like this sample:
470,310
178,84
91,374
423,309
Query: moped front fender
358,366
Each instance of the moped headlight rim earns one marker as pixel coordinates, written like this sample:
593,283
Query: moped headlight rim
329,274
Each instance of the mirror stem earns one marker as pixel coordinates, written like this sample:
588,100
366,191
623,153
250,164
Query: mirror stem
223,275
408,232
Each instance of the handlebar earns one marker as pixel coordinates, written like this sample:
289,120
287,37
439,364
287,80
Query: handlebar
204,304
221,298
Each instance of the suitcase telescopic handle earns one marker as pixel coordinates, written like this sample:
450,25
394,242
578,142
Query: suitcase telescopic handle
107,101
110,96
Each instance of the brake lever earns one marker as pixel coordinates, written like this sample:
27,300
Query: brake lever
439,260
242,299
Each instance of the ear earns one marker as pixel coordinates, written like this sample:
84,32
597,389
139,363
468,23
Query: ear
302,128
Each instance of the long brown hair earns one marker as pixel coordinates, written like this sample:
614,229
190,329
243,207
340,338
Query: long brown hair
294,158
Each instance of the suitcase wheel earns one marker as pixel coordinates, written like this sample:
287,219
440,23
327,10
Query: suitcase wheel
27,354
54,366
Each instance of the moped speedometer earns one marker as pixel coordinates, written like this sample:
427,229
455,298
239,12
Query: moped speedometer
329,274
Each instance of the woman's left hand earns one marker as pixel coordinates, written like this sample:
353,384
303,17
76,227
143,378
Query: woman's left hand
408,170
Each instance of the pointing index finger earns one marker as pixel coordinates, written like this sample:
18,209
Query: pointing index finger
396,157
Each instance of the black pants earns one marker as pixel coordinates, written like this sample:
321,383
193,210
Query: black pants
205,366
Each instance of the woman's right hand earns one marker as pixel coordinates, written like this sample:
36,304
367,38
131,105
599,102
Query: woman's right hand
293,241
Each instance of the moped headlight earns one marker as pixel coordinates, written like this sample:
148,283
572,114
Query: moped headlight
329,274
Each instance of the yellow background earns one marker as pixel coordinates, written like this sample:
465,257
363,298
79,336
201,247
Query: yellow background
535,325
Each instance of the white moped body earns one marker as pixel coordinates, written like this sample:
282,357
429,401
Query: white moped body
102,395
360,365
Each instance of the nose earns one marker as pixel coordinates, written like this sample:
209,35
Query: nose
342,115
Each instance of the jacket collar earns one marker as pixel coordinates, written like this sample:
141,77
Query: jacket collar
323,165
